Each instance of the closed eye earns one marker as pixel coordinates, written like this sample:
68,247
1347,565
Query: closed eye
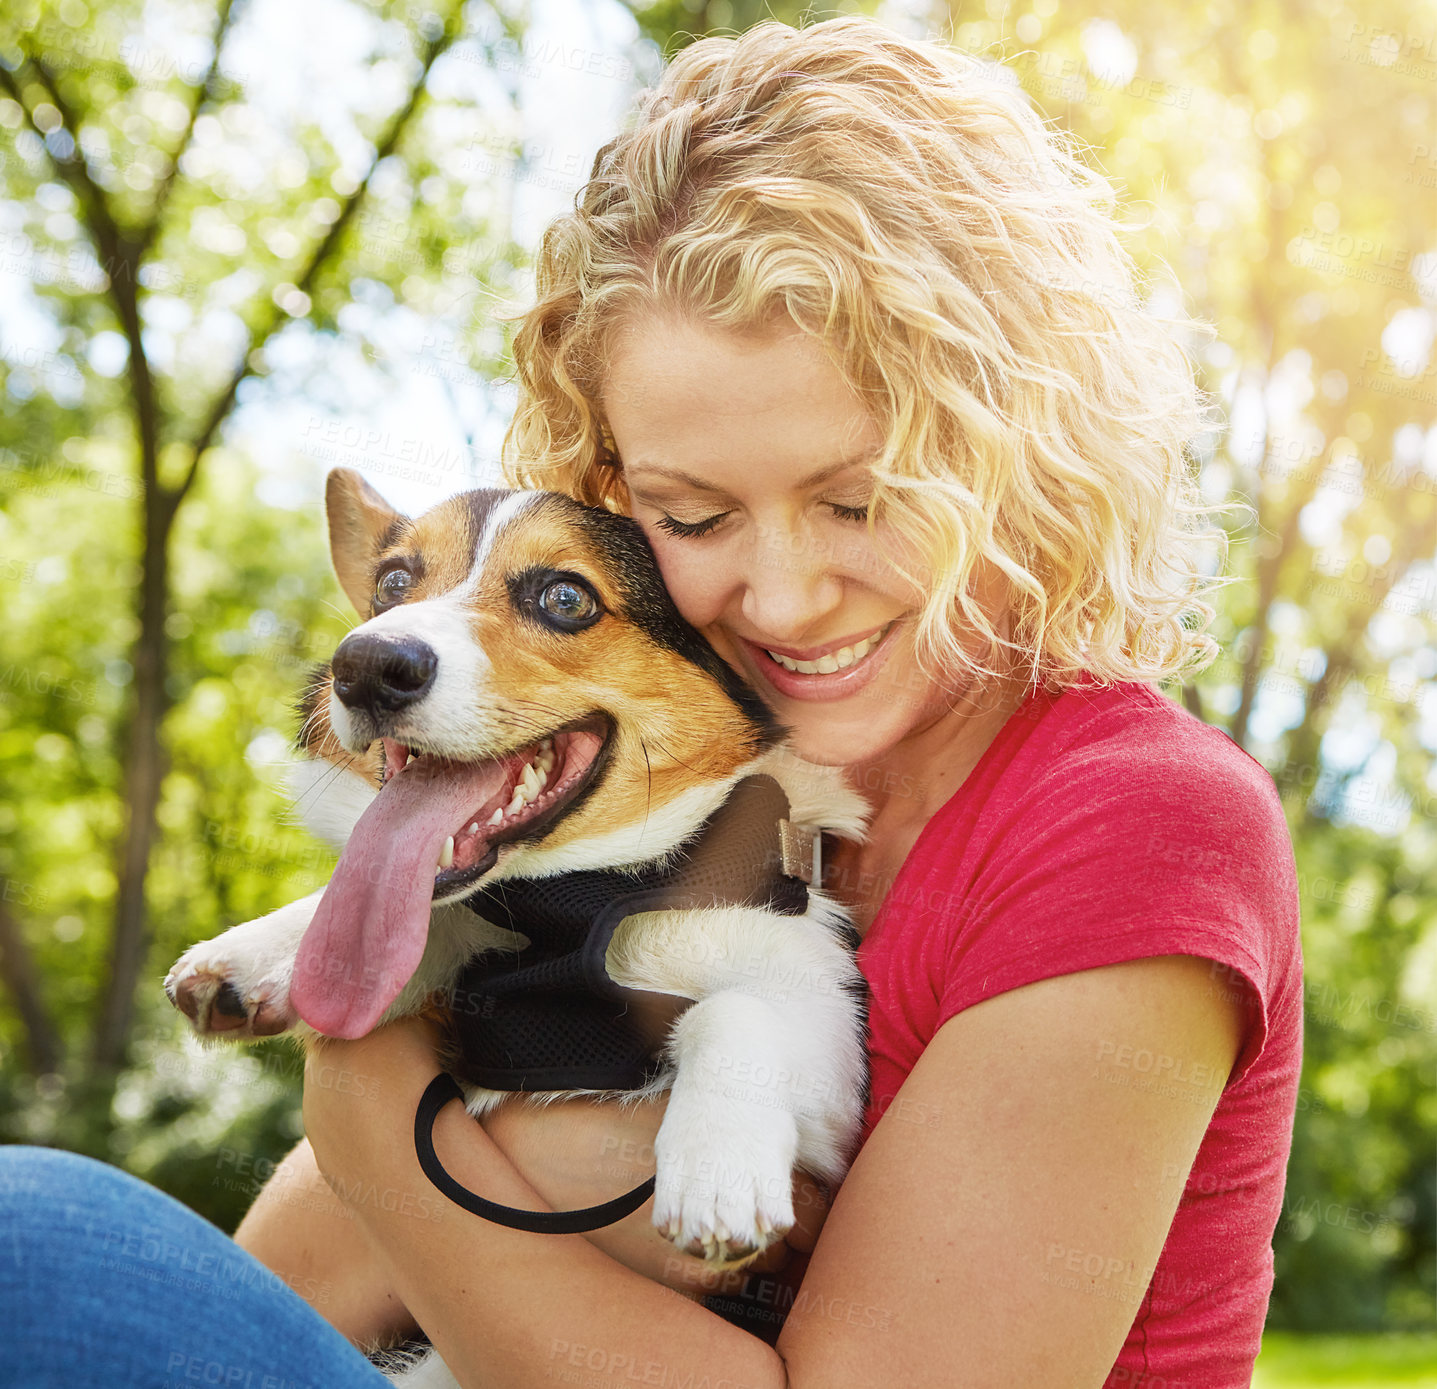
696,528
689,528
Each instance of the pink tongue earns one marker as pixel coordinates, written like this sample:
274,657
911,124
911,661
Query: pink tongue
369,930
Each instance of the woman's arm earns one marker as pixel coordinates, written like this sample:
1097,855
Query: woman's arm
935,1266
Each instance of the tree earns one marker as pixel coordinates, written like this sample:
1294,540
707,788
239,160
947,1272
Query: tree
89,122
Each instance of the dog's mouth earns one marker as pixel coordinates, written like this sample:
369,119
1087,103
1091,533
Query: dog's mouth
433,831
516,796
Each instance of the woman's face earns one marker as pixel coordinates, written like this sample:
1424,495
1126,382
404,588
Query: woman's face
746,460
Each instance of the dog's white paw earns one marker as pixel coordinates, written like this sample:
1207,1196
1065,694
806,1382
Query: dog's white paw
223,996
723,1190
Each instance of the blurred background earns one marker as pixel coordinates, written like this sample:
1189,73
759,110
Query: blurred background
244,241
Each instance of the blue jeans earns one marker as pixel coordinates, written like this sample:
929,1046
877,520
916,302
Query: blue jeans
105,1281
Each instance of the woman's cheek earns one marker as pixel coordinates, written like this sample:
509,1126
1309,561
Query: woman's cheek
696,586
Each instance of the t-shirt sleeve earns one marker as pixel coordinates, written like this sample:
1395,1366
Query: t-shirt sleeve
1133,847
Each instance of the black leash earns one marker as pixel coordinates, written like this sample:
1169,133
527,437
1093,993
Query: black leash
440,1091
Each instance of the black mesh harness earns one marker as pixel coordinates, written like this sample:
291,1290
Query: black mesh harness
551,1017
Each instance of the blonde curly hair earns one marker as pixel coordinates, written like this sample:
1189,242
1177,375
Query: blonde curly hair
904,204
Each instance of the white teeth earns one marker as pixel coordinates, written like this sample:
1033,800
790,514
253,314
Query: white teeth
841,659
409,757
531,784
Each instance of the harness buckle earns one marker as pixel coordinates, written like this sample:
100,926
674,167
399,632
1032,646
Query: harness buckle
798,851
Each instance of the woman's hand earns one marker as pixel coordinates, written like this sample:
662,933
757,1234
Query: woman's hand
575,1153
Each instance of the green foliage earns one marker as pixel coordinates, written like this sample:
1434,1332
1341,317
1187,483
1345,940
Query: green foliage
1346,1362
1355,1244
229,851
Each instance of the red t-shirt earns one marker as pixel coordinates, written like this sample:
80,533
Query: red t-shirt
1104,825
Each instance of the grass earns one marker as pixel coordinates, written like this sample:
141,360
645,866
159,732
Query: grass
1346,1362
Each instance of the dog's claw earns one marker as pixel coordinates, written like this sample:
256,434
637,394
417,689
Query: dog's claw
725,1222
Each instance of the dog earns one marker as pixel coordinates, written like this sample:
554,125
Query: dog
522,701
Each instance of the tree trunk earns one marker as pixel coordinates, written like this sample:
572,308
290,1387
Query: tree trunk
17,969
144,776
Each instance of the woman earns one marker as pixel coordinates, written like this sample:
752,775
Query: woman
851,336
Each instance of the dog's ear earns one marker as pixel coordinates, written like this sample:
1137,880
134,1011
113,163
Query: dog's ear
359,521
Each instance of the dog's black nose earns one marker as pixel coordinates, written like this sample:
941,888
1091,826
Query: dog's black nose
381,674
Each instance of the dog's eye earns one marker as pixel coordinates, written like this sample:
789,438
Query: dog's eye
392,586
568,601
555,599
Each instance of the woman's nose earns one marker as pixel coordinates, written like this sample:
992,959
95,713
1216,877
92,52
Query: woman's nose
787,589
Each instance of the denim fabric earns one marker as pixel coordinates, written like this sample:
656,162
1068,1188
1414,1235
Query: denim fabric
105,1281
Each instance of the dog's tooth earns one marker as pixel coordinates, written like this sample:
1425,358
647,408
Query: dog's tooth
518,802
530,782
446,854
496,817
546,761
408,758
473,829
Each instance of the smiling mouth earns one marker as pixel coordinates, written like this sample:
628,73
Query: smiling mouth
832,661
516,796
